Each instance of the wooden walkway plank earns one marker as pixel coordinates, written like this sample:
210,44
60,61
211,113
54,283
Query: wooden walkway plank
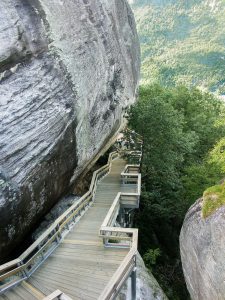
80,272
70,290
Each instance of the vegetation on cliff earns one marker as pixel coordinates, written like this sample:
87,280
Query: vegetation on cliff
179,126
213,197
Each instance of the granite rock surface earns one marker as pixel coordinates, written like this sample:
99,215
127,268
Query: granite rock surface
147,286
202,247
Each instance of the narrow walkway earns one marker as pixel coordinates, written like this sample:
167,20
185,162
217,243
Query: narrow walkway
81,266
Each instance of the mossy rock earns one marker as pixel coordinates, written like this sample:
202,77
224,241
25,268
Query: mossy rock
213,198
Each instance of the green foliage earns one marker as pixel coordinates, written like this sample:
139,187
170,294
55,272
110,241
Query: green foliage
199,115
217,155
203,115
151,256
113,241
197,178
164,140
213,198
179,126
182,42
200,176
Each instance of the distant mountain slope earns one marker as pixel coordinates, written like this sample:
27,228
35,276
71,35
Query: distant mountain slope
182,41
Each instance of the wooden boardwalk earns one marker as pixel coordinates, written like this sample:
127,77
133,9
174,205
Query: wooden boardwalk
81,266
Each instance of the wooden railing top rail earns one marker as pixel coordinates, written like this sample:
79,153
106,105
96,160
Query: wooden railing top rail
9,264
129,166
111,211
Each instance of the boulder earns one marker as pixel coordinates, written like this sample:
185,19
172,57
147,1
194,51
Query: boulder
202,247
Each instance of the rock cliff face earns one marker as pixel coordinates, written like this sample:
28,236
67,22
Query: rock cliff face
147,286
68,68
202,245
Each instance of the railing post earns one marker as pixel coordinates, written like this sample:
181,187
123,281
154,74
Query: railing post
133,284
122,217
42,254
74,218
59,235
24,272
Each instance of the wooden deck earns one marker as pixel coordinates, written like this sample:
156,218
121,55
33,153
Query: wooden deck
81,266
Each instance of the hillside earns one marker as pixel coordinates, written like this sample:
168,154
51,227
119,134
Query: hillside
182,42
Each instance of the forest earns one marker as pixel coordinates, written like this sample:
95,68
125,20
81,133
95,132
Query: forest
183,147
182,42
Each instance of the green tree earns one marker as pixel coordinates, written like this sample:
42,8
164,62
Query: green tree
197,178
165,143
150,257
202,115
182,42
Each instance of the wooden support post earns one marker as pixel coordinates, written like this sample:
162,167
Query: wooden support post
42,254
74,218
122,217
133,284
58,236
24,272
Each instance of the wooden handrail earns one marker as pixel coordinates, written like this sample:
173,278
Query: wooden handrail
9,264
22,266
111,211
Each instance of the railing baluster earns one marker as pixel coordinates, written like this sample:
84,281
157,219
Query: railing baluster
24,272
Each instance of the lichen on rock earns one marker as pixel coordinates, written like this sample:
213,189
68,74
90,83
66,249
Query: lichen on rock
213,198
